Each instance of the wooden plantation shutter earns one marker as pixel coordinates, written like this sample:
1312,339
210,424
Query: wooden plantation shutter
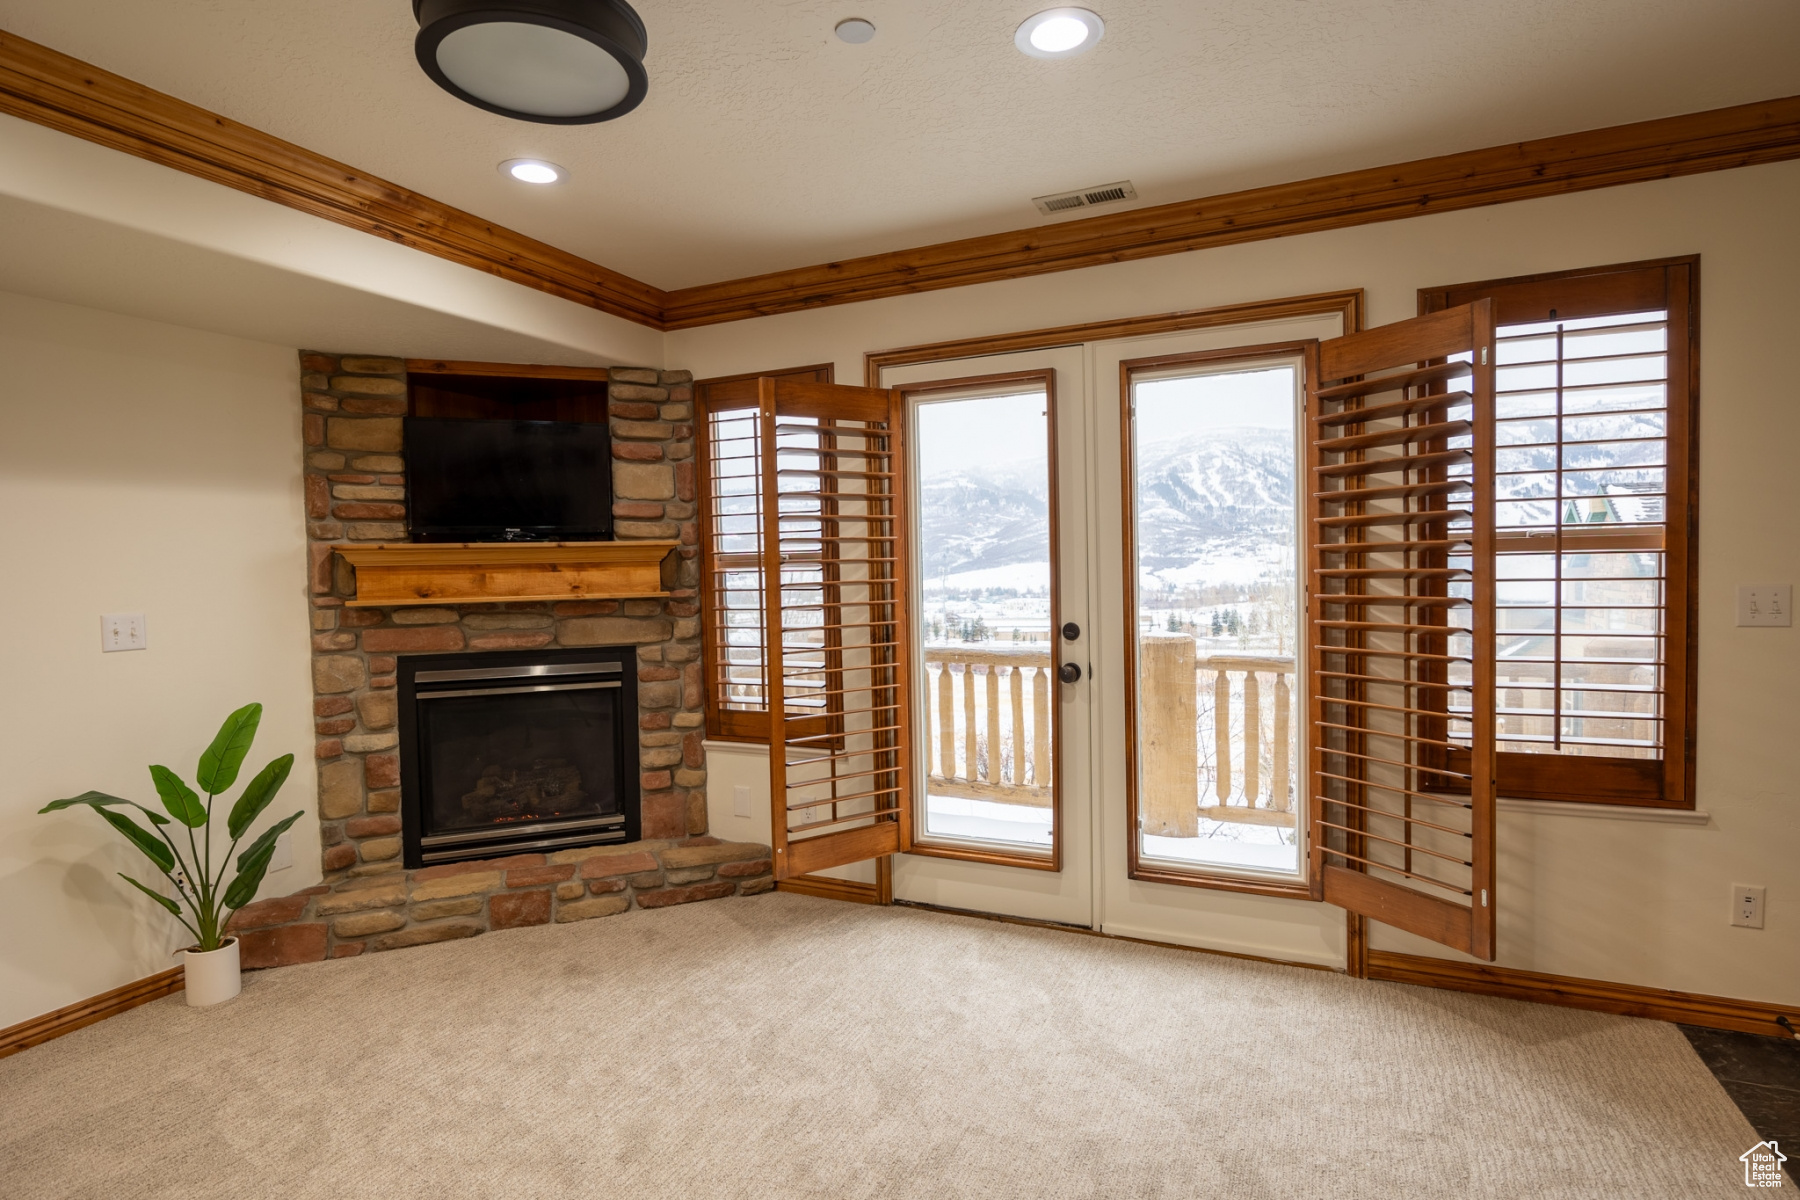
1401,602
1595,472
838,656
730,491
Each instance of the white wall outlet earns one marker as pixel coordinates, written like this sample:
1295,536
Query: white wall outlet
1747,903
283,858
740,800
123,631
1765,604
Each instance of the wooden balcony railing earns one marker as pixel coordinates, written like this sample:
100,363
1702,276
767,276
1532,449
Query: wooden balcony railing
1216,731
1221,778
995,754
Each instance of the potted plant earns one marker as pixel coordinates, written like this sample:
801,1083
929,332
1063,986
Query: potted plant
210,965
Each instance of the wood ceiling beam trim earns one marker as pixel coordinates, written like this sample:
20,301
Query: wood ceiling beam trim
41,85
1767,131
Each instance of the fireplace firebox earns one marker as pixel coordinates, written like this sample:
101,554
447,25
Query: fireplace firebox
517,752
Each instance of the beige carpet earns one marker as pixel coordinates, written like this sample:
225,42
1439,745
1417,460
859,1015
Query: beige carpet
785,1046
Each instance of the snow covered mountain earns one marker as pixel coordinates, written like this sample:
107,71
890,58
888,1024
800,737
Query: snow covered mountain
975,522
1227,491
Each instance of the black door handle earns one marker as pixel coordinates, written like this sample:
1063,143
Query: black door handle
1069,673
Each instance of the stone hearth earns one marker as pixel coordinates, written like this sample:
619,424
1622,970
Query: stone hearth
353,914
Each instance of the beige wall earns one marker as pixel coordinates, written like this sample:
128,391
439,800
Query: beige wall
1639,901
143,468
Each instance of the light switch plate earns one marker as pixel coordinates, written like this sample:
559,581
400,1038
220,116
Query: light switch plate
1765,604
740,800
283,857
123,631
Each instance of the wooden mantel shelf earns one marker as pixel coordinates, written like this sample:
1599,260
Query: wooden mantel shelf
499,572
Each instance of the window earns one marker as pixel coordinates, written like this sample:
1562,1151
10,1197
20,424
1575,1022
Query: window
1211,457
984,495
730,487
1595,517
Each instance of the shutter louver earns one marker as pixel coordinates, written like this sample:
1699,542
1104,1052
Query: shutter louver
839,659
1401,603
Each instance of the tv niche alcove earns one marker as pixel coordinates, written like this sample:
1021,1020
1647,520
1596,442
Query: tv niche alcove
509,509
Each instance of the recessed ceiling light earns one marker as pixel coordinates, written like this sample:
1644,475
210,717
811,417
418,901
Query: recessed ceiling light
532,170
856,31
557,62
1059,33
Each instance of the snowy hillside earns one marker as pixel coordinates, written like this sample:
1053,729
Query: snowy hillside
1219,496
1224,490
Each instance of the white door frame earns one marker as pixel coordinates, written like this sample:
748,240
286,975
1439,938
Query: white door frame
1294,930
1065,896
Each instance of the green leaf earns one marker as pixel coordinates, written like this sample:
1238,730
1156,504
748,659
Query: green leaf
178,798
153,894
101,800
257,795
218,767
250,877
267,840
155,850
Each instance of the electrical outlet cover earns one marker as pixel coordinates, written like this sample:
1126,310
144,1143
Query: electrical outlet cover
1748,902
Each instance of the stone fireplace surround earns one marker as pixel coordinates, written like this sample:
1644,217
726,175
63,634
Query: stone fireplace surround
355,492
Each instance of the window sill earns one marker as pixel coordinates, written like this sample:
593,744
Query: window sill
1606,812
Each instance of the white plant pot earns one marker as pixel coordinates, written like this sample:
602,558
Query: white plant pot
211,976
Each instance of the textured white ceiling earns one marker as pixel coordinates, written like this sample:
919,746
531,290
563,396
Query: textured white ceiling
765,143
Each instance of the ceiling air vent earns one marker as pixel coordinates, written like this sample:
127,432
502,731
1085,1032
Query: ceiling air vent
1105,193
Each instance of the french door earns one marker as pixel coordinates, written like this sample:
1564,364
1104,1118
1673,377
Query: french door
1003,820
1200,633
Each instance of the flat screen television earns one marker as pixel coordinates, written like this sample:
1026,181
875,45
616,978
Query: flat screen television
502,480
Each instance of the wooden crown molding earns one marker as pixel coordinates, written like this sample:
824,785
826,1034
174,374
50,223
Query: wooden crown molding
41,85
1625,999
1347,304
39,1030
1723,138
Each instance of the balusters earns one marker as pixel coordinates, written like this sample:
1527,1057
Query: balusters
1015,680
1268,791
993,722
1222,736
1252,738
946,722
1279,800
969,746
1040,727
987,712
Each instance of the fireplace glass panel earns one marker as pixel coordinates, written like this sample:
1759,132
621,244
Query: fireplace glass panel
493,760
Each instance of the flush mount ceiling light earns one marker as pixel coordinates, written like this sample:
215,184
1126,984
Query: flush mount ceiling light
856,31
532,170
557,62
1059,33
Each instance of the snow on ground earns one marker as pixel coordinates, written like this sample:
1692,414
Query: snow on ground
985,821
1242,564
1024,577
